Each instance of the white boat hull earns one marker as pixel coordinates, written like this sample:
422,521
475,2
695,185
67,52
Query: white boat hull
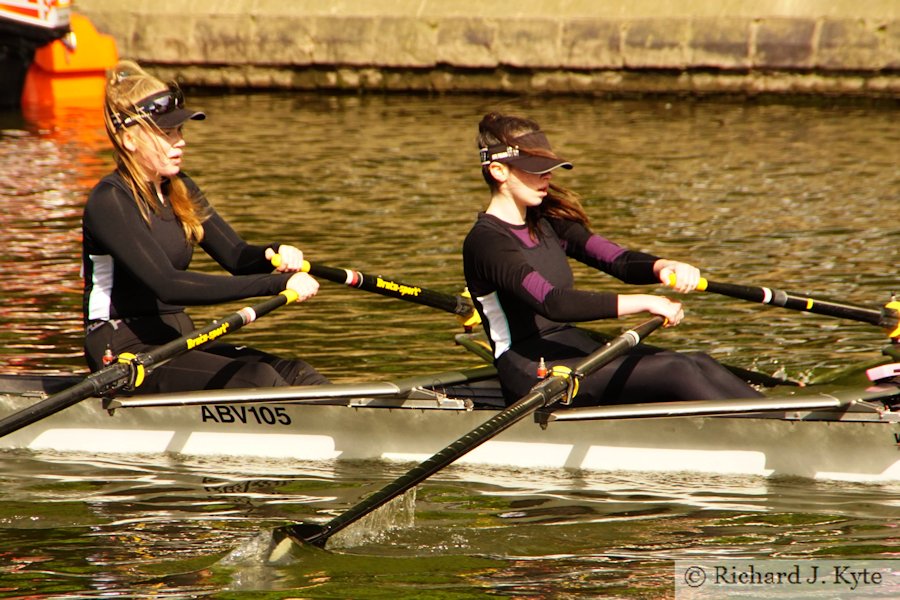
855,450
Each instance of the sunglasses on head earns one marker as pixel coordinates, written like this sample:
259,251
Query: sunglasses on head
157,104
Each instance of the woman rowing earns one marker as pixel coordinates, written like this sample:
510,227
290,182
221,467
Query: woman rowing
141,224
516,268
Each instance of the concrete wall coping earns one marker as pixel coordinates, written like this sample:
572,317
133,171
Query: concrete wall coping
543,9
581,46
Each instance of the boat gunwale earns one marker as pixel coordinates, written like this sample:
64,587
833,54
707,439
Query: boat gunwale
441,391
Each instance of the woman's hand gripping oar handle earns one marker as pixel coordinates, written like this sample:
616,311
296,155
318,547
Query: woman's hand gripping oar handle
887,318
129,370
544,393
459,305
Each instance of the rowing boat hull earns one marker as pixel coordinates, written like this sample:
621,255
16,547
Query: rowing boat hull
809,444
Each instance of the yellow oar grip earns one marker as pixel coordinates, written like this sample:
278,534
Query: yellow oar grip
701,285
276,262
291,295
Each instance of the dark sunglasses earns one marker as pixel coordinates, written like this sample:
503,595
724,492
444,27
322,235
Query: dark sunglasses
157,104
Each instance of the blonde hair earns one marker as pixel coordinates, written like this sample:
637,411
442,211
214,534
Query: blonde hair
126,85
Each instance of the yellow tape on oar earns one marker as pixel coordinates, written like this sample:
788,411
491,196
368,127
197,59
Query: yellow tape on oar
566,373
137,369
894,305
469,322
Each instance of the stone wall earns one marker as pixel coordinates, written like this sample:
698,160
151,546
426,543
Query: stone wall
840,47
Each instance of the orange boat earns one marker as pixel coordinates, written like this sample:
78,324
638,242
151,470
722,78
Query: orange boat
25,26
50,56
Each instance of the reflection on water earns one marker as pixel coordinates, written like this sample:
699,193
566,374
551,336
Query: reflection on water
187,525
799,197
46,164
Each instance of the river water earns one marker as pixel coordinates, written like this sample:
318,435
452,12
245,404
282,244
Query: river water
793,195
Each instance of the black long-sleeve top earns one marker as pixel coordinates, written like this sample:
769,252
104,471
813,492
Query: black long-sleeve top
524,288
133,268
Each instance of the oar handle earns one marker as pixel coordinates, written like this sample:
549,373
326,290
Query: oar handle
130,369
458,305
887,317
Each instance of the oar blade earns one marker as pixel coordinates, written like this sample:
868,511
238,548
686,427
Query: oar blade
304,533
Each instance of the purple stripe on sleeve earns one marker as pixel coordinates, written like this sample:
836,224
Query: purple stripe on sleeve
602,249
535,284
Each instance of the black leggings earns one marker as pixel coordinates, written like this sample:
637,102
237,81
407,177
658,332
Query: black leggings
214,366
643,375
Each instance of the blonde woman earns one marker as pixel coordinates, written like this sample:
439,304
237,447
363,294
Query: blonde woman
141,225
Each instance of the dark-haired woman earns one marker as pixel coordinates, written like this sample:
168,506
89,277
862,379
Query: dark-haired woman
516,268
140,226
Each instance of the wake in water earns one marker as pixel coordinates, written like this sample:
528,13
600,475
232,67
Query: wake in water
270,547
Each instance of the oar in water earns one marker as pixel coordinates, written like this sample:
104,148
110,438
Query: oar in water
887,317
458,305
545,392
130,369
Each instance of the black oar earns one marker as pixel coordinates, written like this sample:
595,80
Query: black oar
130,369
545,392
458,305
887,317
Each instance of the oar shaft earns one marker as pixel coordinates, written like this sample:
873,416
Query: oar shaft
776,297
216,329
92,385
542,394
457,305
117,375
549,388
617,346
